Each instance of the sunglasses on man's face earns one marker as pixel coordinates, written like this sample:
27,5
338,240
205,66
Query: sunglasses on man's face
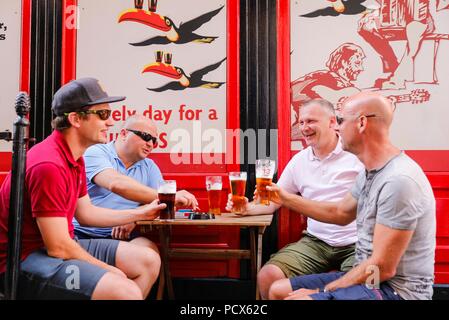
340,119
144,135
103,114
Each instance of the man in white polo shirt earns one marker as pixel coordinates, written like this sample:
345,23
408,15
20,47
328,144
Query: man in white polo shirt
322,172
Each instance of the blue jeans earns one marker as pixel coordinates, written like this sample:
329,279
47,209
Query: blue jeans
355,292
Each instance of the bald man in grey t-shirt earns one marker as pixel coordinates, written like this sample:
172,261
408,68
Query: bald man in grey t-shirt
393,205
399,196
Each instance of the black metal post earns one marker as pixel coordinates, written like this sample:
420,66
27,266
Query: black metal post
20,140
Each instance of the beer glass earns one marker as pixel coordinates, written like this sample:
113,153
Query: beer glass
264,177
166,194
152,5
138,4
159,55
213,187
168,57
238,184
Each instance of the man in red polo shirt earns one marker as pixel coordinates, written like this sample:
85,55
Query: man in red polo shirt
54,264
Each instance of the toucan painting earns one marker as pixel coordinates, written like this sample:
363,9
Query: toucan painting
195,80
173,34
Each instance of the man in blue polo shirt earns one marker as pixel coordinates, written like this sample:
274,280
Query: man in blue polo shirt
120,176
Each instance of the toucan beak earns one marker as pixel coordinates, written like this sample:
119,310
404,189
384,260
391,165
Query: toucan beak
163,69
148,18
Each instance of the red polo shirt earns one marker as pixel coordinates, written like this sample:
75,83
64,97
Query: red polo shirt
53,183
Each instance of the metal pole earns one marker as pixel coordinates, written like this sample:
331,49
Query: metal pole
20,140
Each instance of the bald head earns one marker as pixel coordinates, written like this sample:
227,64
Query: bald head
370,103
139,122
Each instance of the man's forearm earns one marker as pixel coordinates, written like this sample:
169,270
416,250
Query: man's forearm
104,217
369,272
132,190
259,209
320,211
71,250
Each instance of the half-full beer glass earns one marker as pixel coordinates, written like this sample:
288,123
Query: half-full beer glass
166,194
238,184
213,187
264,177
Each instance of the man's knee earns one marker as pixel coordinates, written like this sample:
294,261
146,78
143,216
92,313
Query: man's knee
114,287
270,273
279,289
145,242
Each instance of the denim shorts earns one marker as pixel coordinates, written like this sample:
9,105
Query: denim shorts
47,278
355,292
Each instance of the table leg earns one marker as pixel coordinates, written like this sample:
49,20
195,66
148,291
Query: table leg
260,232
161,287
164,236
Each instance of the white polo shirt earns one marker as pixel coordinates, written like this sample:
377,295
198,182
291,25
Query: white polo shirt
329,179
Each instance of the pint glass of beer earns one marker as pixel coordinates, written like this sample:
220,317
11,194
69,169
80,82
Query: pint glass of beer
213,187
238,184
138,4
166,194
152,5
264,177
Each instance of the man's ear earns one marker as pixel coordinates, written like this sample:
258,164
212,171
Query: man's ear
361,124
74,119
123,133
333,122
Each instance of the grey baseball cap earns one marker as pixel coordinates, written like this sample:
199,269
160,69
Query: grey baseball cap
78,94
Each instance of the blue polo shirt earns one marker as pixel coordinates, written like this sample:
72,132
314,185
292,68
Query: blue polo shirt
104,156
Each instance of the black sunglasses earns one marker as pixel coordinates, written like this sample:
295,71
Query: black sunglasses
104,114
144,136
340,120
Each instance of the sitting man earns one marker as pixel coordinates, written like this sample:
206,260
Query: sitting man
120,176
323,171
394,206
54,264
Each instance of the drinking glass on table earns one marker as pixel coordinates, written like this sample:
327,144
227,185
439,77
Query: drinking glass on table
238,185
213,186
166,194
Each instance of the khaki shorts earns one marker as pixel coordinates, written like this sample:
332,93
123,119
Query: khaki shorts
311,255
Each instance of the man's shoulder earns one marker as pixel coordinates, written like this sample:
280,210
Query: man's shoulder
150,164
99,150
45,153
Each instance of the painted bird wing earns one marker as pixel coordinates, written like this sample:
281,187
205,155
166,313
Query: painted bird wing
174,85
150,41
197,22
198,74
328,11
354,7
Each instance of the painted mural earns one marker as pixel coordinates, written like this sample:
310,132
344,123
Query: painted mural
397,47
168,57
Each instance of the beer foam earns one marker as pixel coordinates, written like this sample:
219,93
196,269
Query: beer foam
215,186
167,188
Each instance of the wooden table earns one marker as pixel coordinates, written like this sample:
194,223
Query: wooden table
255,224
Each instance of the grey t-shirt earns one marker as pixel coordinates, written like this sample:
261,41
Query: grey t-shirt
399,196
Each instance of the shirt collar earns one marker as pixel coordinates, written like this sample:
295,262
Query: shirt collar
373,172
60,141
337,150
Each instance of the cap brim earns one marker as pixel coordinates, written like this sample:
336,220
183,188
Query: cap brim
106,100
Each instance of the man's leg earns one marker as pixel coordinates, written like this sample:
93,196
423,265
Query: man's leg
415,31
281,288
45,277
141,264
145,242
307,256
266,276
